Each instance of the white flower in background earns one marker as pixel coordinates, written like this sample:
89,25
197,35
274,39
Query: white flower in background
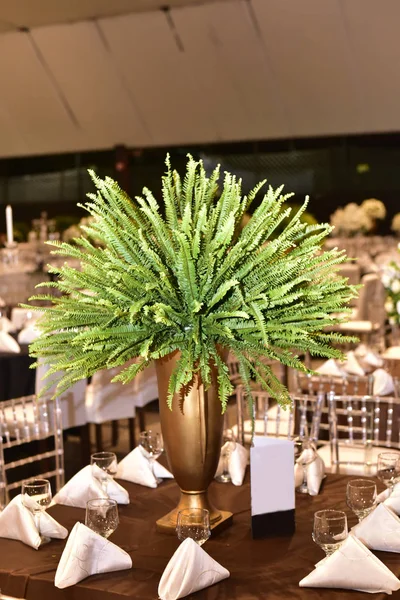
395,287
374,208
386,279
351,219
389,306
392,321
396,223
398,307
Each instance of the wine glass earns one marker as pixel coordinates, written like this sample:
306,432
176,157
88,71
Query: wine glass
227,449
361,497
193,523
102,516
330,529
36,496
104,467
304,454
388,468
152,446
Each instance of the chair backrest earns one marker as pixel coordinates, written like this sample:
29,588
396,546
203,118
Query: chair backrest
107,400
26,420
356,385
363,421
301,418
371,300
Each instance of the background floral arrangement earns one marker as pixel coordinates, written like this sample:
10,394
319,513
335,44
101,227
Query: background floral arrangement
396,223
391,281
355,218
374,208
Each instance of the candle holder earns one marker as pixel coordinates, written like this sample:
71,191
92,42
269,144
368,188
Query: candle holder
10,254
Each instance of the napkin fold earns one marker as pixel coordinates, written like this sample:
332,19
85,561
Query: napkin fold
352,567
8,344
136,467
380,530
88,553
392,499
315,474
17,523
352,366
382,383
189,570
330,368
84,486
6,325
28,334
237,462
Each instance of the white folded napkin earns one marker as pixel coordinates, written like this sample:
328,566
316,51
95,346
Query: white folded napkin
88,553
330,367
17,523
28,334
373,359
8,344
380,530
383,384
189,570
352,366
315,473
136,467
6,325
392,499
352,567
392,352
237,462
84,486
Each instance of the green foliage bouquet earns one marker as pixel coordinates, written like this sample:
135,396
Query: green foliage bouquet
185,276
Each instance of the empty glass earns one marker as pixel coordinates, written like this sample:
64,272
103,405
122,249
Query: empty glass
304,454
102,516
361,497
229,445
104,467
330,529
36,496
193,523
152,446
388,468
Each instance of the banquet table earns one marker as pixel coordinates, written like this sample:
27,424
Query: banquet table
269,569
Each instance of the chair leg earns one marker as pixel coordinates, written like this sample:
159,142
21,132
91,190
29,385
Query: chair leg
141,414
84,435
115,432
131,426
99,437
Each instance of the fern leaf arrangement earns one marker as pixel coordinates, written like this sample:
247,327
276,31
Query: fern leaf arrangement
184,275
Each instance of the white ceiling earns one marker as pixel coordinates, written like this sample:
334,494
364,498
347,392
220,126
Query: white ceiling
220,71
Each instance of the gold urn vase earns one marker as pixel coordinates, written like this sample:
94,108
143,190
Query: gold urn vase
192,434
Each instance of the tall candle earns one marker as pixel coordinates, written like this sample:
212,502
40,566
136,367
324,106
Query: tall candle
9,225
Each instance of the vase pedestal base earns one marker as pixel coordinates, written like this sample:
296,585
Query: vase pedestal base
167,524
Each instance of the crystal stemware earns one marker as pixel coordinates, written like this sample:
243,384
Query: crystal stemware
330,529
36,496
193,523
388,468
104,467
361,497
152,446
102,516
229,445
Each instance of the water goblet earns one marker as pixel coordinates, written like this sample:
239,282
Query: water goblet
304,454
330,529
361,497
36,496
388,468
102,516
193,523
104,467
228,447
152,446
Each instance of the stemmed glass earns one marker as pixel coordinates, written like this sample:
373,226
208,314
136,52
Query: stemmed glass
227,449
102,516
104,467
330,529
36,496
193,523
388,468
361,497
304,454
152,445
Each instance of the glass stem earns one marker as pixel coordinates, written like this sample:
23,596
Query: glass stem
226,465
304,484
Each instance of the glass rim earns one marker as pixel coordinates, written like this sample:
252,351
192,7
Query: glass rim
148,432
34,482
197,510
100,502
97,455
339,514
361,483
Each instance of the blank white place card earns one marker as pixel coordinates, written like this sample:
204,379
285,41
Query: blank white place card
272,487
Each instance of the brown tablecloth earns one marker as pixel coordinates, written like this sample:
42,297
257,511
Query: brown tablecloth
269,569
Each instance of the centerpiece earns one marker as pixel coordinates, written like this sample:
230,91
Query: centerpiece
181,283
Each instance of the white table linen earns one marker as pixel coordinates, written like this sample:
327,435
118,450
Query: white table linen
380,530
83,487
137,468
237,462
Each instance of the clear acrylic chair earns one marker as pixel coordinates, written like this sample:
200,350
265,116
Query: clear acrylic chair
360,428
23,421
302,418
